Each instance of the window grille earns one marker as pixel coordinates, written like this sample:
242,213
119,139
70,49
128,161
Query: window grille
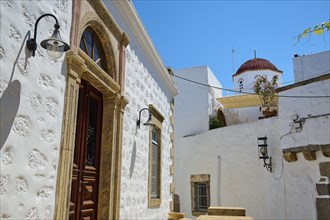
201,197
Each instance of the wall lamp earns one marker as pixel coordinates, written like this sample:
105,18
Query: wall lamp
54,46
263,153
148,123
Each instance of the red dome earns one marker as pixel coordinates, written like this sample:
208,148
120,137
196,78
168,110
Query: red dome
256,64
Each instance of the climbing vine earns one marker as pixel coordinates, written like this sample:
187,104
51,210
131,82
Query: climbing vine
317,30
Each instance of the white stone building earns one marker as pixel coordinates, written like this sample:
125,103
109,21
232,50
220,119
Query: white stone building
70,144
221,167
196,103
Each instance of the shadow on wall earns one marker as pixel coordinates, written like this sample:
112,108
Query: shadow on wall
133,156
10,99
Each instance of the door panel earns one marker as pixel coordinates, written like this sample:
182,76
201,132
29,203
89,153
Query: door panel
85,173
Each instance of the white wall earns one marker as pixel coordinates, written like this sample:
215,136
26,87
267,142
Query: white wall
316,128
249,77
192,104
31,109
308,66
141,90
242,115
195,103
238,177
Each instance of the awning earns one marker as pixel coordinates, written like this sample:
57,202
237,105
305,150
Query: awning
240,101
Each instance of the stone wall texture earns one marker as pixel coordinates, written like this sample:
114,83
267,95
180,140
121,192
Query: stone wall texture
31,109
141,90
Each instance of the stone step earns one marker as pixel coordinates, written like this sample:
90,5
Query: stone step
226,211
215,217
175,215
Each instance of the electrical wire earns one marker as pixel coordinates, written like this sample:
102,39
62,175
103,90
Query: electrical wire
249,93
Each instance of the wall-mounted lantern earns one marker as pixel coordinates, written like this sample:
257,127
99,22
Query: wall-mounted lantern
263,152
148,123
54,46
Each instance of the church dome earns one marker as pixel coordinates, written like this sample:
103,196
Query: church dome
256,64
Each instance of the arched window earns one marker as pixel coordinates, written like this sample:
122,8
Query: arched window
91,45
240,85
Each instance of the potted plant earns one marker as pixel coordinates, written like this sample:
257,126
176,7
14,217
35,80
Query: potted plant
266,91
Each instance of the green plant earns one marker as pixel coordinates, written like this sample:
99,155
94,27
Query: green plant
214,122
317,30
266,90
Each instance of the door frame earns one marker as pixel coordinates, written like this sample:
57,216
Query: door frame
83,119
80,66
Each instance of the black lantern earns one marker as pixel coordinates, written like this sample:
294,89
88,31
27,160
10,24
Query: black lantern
263,152
148,123
55,46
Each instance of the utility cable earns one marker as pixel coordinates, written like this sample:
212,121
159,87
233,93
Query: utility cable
249,93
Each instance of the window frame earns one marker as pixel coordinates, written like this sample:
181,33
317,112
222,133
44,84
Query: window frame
195,180
157,119
240,85
95,45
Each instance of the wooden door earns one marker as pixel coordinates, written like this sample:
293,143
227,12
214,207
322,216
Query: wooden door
85,174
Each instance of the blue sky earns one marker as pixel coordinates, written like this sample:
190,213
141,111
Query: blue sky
196,33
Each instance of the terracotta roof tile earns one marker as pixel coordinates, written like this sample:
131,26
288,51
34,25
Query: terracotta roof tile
256,64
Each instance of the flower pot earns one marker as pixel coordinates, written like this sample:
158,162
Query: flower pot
269,111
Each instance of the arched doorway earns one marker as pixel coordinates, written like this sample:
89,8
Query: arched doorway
88,183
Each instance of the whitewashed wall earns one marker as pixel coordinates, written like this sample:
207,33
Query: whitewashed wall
195,103
31,109
316,128
308,66
141,90
242,115
238,177
192,103
249,77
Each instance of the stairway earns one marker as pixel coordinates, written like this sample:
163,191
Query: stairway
225,213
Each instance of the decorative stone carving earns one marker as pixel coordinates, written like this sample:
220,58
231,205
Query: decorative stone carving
21,185
35,102
2,52
37,160
7,156
23,66
45,80
14,33
45,192
48,135
33,213
22,126
52,105
3,184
